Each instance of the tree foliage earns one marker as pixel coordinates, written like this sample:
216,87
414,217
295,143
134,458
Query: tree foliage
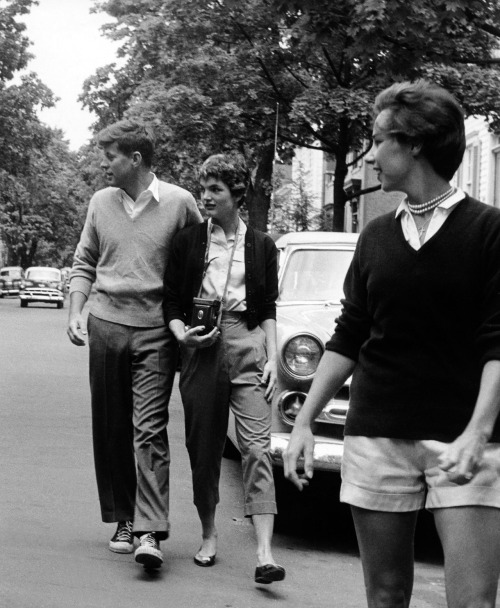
41,192
211,73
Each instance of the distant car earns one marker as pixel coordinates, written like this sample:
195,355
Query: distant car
313,266
10,279
42,284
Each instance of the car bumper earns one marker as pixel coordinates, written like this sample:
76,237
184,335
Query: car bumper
42,296
10,292
327,452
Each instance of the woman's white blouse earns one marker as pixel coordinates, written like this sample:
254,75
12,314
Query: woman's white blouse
218,258
441,213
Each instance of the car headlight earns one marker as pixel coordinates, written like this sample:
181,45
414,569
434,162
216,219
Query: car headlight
301,355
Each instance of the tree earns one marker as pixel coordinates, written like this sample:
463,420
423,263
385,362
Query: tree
40,189
210,73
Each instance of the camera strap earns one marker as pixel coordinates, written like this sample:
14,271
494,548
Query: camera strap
207,262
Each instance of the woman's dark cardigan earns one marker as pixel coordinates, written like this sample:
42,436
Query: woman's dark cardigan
184,274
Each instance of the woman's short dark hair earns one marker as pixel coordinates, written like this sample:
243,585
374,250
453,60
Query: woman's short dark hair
130,136
426,114
229,168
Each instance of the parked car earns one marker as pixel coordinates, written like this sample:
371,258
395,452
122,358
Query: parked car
42,284
10,278
313,266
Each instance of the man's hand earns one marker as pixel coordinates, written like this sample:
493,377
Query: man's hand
76,329
301,444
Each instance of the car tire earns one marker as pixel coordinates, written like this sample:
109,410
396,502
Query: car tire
24,304
60,305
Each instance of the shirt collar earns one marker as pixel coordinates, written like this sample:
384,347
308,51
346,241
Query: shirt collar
446,204
153,188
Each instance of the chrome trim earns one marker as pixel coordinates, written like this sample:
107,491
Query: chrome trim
327,452
334,411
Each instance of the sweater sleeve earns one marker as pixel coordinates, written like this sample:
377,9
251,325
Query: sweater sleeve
488,333
83,272
268,309
353,325
173,280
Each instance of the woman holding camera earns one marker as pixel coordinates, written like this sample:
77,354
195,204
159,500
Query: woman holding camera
230,271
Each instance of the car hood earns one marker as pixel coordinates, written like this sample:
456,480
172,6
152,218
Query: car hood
312,318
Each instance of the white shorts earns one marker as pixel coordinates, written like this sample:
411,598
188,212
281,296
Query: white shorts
400,475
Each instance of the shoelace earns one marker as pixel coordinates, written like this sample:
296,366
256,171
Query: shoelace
150,540
124,531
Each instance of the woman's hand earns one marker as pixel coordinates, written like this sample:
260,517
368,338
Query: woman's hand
462,456
269,377
191,339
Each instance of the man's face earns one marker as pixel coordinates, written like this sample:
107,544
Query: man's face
117,166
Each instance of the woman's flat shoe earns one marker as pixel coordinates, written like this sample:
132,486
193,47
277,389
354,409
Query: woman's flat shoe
269,573
205,561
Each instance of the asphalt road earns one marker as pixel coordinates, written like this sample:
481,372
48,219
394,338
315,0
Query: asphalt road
53,551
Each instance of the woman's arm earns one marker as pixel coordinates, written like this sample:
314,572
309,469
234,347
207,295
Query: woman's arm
333,370
464,454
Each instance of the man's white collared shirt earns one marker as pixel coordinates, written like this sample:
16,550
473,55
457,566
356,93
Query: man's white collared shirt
134,208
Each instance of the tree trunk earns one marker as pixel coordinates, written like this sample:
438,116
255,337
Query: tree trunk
339,196
259,193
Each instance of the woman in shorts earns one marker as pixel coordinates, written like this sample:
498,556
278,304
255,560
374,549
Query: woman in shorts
420,333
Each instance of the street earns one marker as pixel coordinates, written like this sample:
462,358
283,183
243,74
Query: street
54,546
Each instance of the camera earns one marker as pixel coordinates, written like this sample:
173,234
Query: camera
205,312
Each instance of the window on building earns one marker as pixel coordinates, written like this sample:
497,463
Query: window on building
496,169
468,173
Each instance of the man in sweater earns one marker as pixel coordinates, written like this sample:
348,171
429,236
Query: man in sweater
123,251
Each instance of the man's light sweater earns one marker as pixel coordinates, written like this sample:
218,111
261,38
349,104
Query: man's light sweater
126,258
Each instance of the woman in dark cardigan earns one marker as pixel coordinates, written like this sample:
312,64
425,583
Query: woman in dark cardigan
234,364
420,332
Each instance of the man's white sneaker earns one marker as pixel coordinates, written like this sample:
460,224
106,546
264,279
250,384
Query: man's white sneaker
148,553
123,539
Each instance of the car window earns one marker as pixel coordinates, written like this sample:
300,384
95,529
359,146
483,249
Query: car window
12,273
315,274
44,274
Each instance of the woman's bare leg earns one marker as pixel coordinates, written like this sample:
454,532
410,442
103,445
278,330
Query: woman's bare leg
386,544
471,544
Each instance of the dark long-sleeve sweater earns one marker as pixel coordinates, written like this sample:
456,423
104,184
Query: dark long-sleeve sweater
185,271
421,325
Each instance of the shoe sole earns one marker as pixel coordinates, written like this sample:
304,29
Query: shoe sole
150,561
122,549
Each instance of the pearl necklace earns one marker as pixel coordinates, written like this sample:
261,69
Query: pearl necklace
432,204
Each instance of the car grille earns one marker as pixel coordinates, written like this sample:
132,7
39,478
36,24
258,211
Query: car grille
42,291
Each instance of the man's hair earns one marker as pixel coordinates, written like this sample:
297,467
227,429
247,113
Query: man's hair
130,136
425,114
229,168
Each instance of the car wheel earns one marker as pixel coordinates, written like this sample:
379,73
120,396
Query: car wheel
24,304
60,305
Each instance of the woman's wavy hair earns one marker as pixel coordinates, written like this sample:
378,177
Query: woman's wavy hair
425,114
130,137
231,169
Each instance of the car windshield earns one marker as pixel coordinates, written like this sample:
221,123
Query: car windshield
315,274
13,273
44,274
